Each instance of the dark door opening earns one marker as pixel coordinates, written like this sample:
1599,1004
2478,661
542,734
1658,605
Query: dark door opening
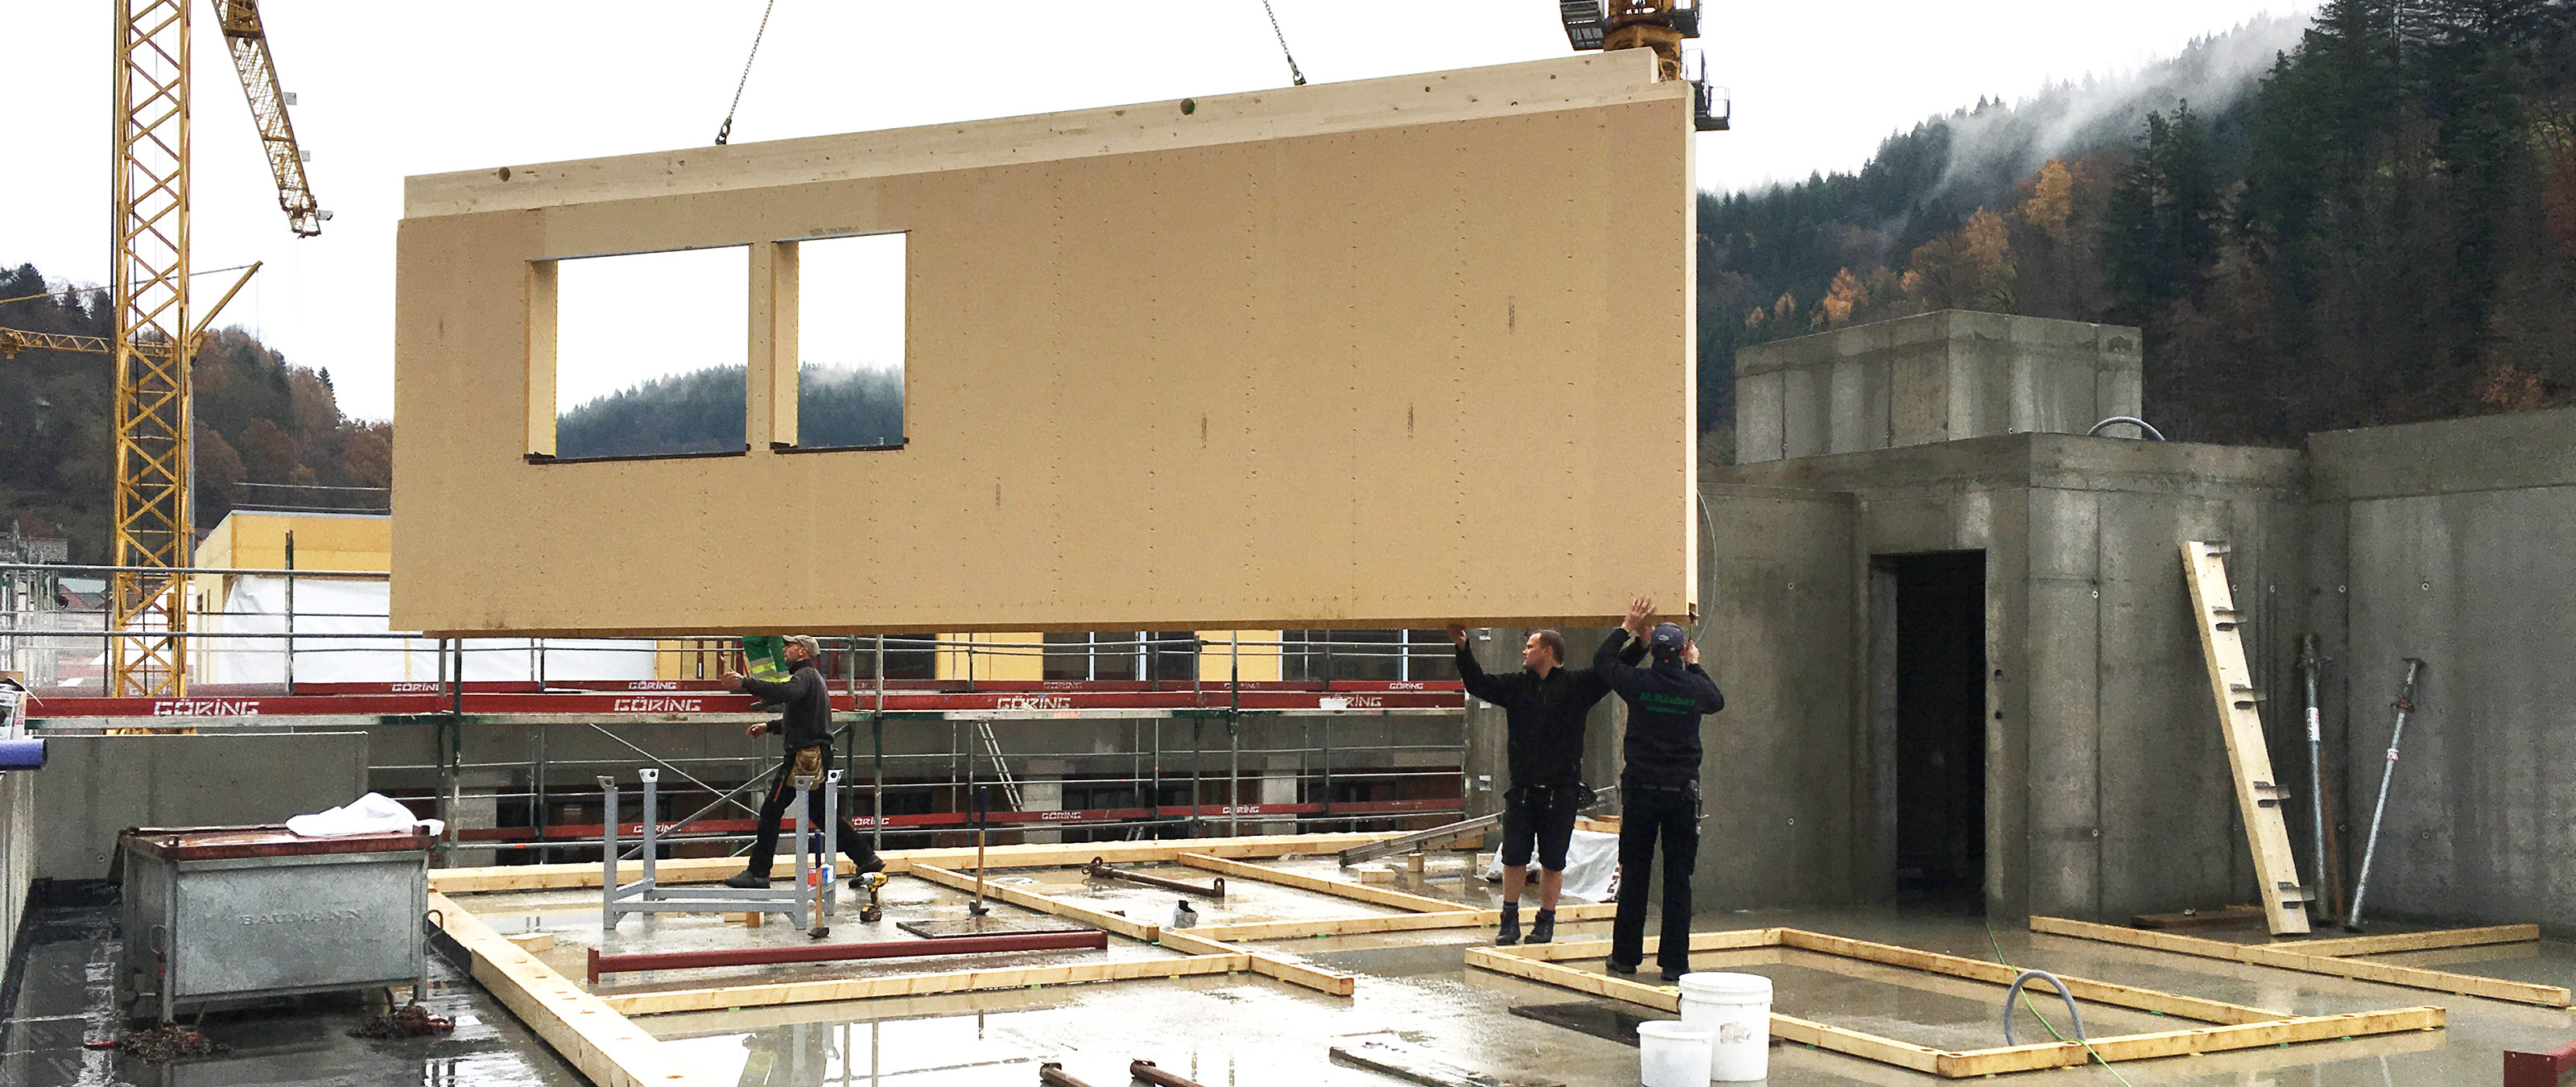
1939,688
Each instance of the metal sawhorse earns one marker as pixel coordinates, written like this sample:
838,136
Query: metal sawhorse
809,900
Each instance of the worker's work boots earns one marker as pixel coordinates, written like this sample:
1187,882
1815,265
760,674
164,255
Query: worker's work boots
1511,933
1543,930
748,881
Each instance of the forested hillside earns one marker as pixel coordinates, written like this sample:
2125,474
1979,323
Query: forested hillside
2378,225
258,420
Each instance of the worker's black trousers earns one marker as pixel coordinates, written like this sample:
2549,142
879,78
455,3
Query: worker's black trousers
773,811
1646,814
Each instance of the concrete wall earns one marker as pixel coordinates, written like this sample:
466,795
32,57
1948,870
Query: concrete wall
1315,357
1933,377
1779,770
2107,784
2450,542
95,786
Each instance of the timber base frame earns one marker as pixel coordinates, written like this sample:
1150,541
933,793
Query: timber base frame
592,1031
2333,957
2235,1026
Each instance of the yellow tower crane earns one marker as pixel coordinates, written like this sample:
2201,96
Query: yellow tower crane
154,343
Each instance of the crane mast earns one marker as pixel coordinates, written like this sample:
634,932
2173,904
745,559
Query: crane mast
154,529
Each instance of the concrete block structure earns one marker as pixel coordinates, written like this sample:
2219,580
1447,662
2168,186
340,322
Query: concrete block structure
1963,661
1933,377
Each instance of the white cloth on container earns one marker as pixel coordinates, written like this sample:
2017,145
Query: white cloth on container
374,813
1591,859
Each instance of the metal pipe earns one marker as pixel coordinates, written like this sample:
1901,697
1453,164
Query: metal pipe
2405,704
981,810
2316,764
2014,993
290,611
1099,869
2132,420
1145,1070
883,949
1052,1074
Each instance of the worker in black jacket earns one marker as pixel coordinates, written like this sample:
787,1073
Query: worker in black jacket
806,727
1544,705
1659,789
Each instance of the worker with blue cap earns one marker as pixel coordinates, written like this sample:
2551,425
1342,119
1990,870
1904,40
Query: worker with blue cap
1659,786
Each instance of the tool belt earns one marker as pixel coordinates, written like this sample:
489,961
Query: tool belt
808,770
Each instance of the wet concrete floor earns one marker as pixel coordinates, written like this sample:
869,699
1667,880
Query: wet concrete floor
1244,1030
61,998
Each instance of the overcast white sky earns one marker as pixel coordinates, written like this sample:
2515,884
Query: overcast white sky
389,90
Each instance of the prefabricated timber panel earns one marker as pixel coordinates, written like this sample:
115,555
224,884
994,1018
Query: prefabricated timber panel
2235,1026
2294,955
1171,366
590,1034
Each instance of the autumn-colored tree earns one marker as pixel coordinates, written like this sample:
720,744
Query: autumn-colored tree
2051,200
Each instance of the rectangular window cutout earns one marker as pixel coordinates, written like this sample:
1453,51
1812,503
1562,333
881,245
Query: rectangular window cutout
849,342
650,353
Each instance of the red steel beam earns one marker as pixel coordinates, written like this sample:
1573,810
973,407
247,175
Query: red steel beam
888,949
2548,1068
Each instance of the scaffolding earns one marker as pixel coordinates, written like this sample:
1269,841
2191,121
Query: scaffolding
510,763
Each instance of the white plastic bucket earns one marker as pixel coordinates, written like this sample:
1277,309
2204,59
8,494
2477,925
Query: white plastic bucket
1671,1053
1735,1009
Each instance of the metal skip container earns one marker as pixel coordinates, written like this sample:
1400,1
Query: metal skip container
218,913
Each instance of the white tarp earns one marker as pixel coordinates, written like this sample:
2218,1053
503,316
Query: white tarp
1591,859
324,607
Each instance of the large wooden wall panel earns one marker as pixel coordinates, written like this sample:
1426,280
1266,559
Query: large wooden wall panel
1343,371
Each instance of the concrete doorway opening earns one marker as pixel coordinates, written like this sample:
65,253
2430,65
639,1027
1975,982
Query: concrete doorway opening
1931,664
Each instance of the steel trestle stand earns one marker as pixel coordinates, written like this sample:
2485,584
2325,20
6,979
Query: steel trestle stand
810,900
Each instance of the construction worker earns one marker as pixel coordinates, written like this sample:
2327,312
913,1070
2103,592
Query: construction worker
1544,705
805,724
1659,787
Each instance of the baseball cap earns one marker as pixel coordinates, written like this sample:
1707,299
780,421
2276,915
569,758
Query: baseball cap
812,648
1668,639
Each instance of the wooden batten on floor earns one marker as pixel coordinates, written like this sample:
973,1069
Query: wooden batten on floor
2236,1026
946,981
2335,961
585,1030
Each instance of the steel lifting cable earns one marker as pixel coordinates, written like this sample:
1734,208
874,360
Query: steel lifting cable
1294,76
725,131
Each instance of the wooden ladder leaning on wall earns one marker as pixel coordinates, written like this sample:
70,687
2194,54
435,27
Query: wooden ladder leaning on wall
2258,792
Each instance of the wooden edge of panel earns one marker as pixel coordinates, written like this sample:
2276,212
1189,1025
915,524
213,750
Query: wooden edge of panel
588,1032
1729,940
1361,892
1048,904
947,981
1213,120
551,877
2179,1043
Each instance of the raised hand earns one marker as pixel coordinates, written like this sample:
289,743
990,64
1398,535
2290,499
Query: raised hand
1457,635
1639,610
1690,653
